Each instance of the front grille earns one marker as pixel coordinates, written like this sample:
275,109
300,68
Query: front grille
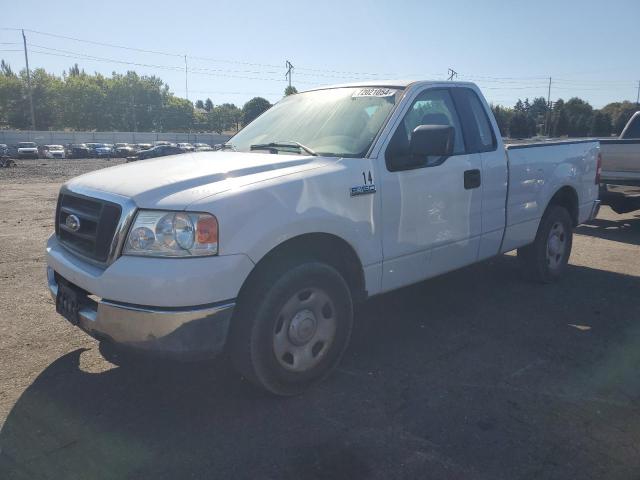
98,222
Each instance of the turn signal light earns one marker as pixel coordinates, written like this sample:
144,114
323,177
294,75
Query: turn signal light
207,229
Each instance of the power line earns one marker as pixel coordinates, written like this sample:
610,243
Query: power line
194,70
531,82
111,45
321,72
163,67
203,58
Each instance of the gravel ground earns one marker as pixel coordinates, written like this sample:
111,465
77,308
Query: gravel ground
476,374
52,171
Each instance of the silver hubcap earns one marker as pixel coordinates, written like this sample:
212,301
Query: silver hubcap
556,245
305,330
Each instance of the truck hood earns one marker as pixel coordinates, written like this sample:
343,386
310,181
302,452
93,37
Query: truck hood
175,181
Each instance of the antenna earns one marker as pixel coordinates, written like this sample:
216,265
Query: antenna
452,74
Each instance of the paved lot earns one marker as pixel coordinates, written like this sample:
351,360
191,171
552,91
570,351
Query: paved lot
476,374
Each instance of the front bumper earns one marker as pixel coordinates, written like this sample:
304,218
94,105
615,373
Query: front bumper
191,332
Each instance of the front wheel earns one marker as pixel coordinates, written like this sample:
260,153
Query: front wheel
545,260
292,328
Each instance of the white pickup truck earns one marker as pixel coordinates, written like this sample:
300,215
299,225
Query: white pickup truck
620,182
330,197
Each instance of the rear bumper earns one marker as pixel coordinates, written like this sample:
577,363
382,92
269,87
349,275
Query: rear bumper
187,332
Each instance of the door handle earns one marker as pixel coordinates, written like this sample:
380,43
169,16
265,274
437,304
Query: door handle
472,179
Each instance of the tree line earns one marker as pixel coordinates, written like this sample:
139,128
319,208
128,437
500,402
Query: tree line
130,102
573,118
122,102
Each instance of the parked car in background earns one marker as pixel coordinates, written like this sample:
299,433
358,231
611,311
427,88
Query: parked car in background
143,146
5,161
162,142
92,149
159,151
78,150
186,147
100,150
620,178
27,150
202,147
124,150
53,151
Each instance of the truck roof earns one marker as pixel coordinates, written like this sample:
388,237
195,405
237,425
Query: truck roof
390,84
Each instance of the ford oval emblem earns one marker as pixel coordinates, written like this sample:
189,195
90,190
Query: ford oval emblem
72,222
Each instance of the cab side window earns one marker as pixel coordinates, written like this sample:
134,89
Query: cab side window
431,107
480,136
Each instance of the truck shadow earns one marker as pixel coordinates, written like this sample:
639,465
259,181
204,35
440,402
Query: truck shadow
626,230
476,374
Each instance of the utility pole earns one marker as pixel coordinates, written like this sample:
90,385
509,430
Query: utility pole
26,59
638,95
186,77
548,126
133,114
452,74
289,66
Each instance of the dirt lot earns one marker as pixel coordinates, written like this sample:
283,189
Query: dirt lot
476,374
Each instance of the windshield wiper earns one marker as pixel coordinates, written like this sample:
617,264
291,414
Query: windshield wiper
274,146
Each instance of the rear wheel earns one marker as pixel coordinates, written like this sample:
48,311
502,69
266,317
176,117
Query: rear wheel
291,329
545,260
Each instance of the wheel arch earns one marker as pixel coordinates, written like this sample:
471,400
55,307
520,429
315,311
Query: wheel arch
567,197
320,246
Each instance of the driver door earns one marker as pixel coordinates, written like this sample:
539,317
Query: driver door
431,210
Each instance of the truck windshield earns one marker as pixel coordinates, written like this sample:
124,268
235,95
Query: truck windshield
337,122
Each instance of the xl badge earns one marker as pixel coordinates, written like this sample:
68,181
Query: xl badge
72,222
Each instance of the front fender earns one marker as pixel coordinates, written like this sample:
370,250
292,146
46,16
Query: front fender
257,218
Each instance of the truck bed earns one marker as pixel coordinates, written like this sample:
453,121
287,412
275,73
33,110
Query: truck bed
536,170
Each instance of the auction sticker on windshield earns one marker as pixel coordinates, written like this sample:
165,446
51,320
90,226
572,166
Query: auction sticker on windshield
374,92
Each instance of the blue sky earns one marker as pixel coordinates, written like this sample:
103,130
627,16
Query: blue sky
237,49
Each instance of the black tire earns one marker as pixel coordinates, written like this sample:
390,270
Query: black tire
260,316
539,261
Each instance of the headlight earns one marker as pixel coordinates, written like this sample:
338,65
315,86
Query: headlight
172,234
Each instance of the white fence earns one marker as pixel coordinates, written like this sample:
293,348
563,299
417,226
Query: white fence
12,137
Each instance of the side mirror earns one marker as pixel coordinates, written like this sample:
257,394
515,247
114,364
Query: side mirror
432,140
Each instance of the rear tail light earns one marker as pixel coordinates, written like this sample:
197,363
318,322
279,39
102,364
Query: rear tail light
598,168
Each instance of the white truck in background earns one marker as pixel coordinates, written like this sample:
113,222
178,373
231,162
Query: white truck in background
620,179
330,197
